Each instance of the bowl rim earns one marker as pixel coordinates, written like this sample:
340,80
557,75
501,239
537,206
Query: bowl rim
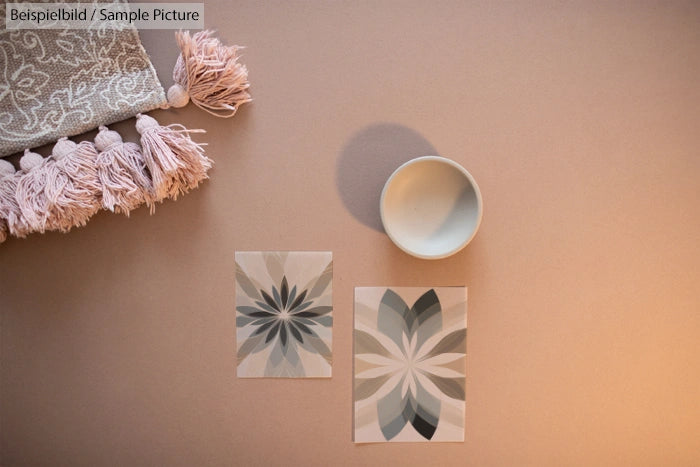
472,182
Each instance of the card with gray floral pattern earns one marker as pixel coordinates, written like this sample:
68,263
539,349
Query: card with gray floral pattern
284,314
410,347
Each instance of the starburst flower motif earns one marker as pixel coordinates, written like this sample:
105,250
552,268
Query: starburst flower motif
285,314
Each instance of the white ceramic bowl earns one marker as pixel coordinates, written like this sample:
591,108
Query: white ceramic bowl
431,207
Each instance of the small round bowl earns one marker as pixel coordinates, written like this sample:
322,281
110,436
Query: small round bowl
431,207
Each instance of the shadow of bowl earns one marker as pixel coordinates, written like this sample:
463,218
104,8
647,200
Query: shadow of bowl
366,162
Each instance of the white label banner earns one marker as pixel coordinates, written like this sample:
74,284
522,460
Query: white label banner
104,15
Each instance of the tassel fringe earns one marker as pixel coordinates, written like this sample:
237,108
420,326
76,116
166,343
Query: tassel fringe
176,163
121,168
80,197
208,73
37,190
67,188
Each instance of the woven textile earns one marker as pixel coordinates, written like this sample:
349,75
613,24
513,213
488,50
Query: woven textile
56,83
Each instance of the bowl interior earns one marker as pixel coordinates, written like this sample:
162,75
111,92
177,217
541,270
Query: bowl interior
430,207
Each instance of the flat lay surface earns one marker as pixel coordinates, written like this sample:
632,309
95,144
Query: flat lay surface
579,122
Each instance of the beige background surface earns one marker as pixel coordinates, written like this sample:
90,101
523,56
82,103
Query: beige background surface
578,119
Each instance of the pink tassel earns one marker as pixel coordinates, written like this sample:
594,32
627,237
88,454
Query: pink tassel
17,223
8,204
208,73
80,198
122,172
63,191
35,191
176,163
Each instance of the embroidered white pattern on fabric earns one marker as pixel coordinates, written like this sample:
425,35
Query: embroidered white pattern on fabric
56,83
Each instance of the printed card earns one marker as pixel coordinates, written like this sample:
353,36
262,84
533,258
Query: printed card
410,364
284,314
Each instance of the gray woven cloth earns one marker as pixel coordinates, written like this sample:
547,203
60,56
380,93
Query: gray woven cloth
56,83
